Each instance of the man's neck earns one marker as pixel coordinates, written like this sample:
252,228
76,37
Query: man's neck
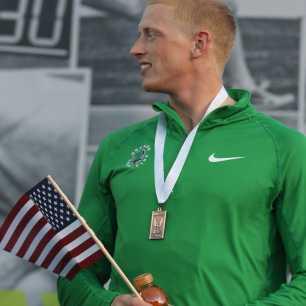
191,105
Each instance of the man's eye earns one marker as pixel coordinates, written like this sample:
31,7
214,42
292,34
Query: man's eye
150,34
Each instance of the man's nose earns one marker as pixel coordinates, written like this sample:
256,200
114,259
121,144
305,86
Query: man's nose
138,48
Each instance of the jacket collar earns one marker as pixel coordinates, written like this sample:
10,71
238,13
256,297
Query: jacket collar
227,114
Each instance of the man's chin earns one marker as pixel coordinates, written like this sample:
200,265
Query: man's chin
152,87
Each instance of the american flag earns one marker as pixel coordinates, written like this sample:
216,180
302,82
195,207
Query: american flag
42,229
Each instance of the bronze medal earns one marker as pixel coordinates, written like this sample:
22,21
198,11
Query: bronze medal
158,224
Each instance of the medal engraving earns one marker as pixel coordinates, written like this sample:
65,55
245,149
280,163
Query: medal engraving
158,224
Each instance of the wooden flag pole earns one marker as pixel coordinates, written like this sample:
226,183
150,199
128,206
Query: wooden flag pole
96,239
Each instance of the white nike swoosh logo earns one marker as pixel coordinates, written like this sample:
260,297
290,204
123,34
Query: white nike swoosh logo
214,159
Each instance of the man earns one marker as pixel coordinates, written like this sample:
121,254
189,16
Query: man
233,185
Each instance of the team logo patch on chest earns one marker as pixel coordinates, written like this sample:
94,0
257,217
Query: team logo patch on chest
139,156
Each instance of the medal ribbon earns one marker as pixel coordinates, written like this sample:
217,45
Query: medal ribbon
163,188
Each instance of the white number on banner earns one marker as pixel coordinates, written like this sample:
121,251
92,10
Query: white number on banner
58,24
18,19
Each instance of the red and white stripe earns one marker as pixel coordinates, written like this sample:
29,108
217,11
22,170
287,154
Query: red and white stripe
27,234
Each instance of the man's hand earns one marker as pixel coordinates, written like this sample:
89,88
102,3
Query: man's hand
128,300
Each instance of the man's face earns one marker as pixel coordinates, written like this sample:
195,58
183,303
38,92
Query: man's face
162,50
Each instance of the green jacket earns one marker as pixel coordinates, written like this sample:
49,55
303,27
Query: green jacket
231,224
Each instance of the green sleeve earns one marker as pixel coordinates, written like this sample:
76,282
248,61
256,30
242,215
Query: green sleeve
97,207
291,220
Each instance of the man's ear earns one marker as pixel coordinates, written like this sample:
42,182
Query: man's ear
200,44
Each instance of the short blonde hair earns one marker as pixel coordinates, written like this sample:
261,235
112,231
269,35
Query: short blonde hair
213,14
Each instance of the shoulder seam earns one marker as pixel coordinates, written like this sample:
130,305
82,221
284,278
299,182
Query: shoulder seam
276,148
149,121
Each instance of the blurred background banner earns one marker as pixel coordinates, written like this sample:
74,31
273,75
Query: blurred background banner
41,27
67,79
43,130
